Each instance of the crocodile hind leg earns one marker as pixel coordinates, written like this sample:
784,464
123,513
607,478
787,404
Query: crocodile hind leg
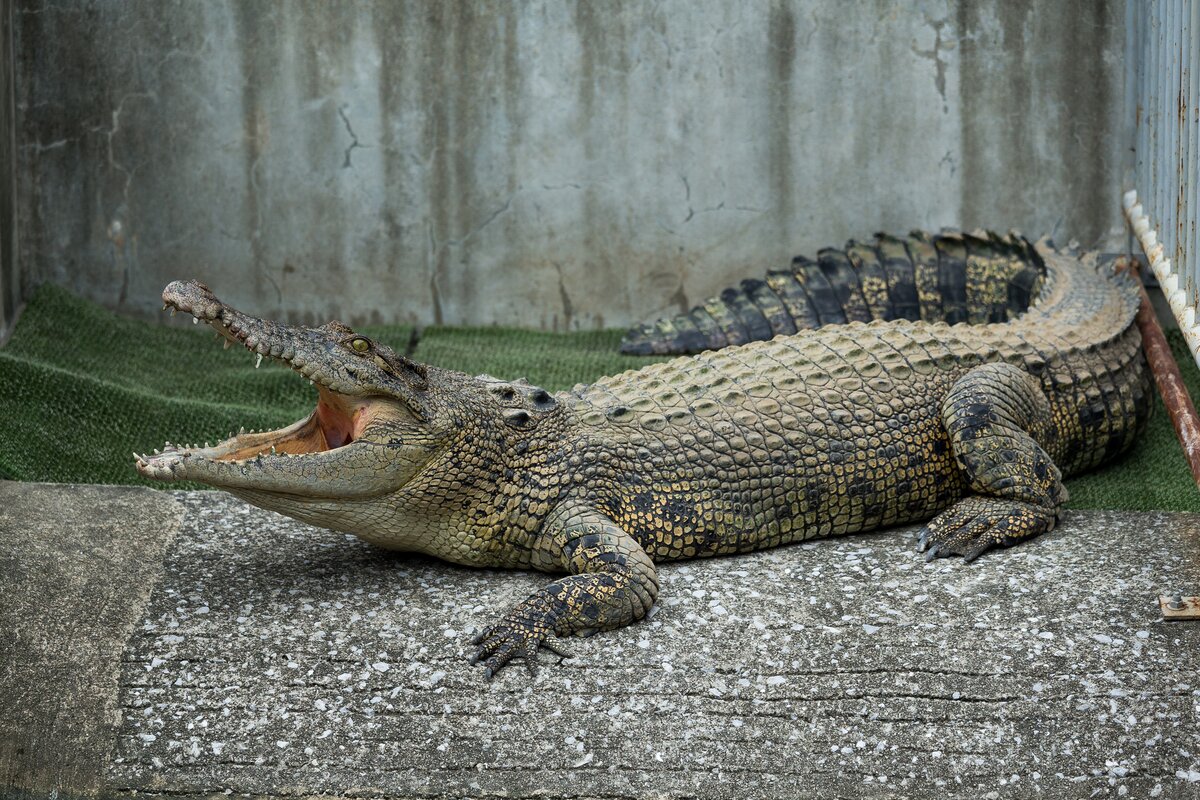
998,420
612,583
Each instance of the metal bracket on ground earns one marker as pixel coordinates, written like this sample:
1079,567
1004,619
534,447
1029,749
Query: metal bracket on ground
1178,608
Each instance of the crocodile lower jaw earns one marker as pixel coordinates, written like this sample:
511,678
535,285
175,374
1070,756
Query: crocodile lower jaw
297,440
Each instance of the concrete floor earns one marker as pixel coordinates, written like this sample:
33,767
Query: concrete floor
187,644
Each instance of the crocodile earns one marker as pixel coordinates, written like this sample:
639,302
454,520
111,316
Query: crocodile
835,430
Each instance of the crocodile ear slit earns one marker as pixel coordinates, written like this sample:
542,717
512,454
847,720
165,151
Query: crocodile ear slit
419,369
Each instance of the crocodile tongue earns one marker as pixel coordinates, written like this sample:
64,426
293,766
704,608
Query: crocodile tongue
339,417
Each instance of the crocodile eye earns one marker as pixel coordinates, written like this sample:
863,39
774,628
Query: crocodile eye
360,345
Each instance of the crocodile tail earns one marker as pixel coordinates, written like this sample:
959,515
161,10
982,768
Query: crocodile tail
983,276
806,295
950,276
752,311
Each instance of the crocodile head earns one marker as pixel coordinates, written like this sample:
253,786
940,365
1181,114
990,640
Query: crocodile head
376,423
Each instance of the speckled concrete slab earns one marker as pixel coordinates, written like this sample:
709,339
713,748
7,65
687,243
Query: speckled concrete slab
77,564
275,659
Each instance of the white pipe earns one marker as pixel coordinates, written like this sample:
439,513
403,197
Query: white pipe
1154,252
1178,301
1169,281
1162,269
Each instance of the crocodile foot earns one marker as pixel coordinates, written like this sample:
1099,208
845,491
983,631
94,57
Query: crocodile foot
513,638
974,524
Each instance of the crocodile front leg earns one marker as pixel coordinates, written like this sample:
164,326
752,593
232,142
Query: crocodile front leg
612,583
997,418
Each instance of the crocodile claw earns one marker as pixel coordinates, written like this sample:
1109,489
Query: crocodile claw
923,540
975,524
501,643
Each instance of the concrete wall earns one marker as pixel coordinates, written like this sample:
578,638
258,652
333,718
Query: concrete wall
10,276
543,164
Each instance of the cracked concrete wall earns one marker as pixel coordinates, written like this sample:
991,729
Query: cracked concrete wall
542,164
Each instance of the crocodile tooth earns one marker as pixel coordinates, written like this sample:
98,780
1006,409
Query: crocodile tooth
228,343
311,382
241,430
258,361
172,312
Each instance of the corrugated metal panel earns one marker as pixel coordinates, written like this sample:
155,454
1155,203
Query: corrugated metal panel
1165,197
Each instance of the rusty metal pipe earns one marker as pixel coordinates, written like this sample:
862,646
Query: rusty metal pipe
1166,376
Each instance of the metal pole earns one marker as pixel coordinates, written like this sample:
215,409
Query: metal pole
1170,383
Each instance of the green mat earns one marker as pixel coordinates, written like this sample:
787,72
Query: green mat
80,388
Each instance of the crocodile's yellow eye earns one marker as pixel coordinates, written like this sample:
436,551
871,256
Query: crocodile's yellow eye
360,345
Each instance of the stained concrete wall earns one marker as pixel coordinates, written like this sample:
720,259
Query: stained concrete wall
10,276
543,164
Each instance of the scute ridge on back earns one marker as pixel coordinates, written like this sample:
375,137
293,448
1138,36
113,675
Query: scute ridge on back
949,276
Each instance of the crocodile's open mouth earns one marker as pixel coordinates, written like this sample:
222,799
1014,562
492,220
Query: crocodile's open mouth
337,421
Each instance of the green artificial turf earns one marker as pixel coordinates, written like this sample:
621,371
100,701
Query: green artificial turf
80,388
